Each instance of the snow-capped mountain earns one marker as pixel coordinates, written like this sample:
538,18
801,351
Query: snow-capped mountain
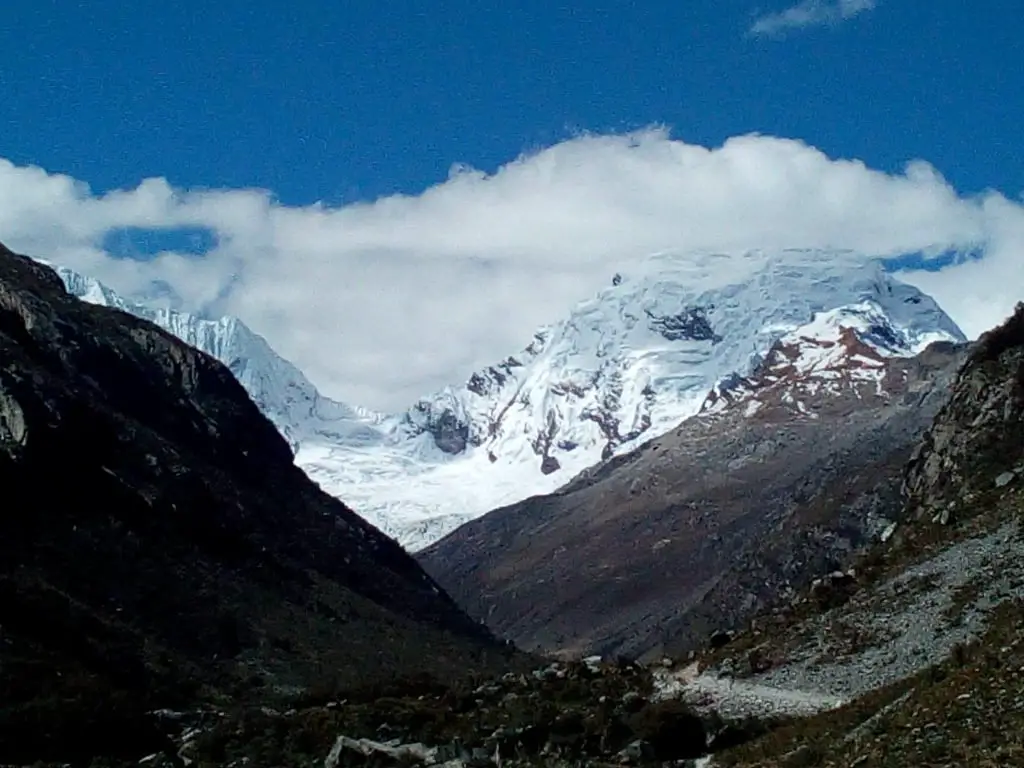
646,352
300,413
657,346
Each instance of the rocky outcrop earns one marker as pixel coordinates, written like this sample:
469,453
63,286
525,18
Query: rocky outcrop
444,420
157,544
976,444
704,527
690,324
492,378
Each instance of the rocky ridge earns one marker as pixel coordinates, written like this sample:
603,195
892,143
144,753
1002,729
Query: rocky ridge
282,392
971,445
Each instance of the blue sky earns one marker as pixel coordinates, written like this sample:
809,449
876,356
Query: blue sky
135,137
338,101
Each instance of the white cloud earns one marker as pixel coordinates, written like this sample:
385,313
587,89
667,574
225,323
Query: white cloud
980,293
382,302
809,13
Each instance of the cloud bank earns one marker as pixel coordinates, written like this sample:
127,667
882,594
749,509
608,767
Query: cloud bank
384,301
809,13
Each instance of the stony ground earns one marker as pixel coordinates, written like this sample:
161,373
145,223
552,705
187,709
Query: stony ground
584,713
908,623
738,698
922,665
967,710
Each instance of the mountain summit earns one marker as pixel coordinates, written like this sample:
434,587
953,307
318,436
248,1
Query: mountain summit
675,336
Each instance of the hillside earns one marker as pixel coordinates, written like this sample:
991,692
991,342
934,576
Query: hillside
922,650
172,587
781,478
158,547
913,656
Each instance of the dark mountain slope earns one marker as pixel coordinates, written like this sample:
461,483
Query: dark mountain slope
158,544
978,436
700,529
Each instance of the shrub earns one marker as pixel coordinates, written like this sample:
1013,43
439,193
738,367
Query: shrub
673,730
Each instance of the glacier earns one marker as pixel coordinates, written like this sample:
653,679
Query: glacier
284,395
621,368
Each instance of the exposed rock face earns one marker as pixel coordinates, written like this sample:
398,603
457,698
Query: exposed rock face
691,324
774,484
156,537
445,424
977,440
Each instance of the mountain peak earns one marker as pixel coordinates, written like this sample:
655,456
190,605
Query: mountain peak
644,354
842,349
646,351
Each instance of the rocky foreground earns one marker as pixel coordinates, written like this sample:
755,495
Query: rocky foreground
591,712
